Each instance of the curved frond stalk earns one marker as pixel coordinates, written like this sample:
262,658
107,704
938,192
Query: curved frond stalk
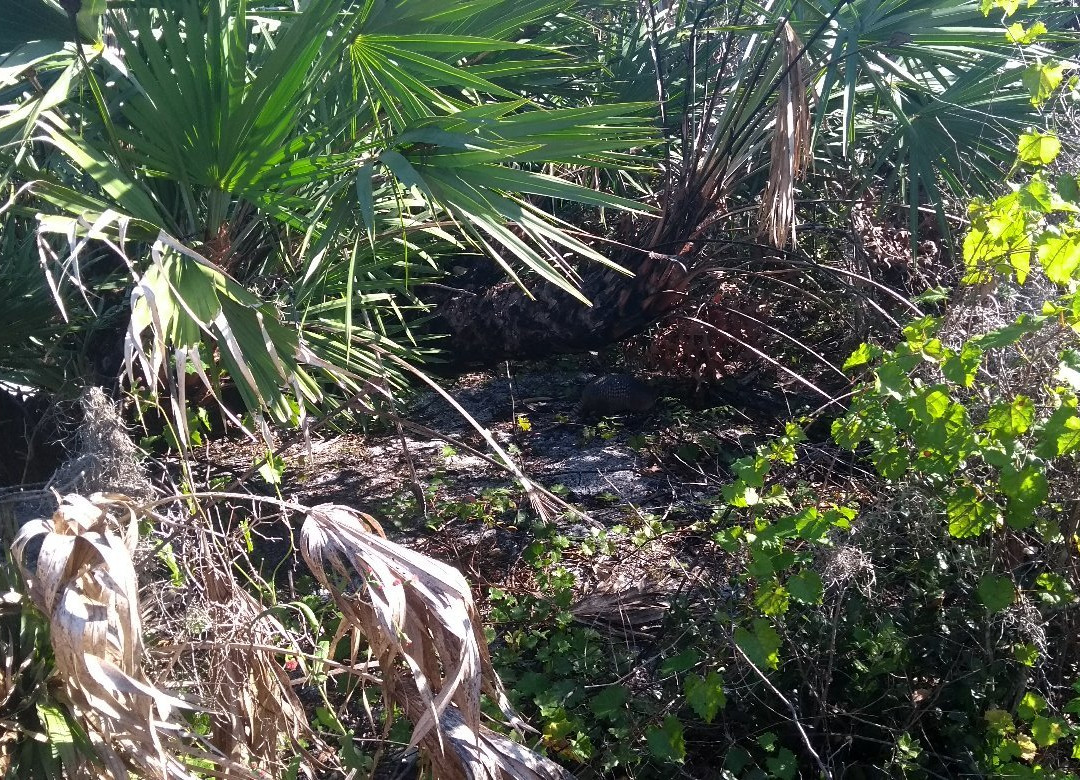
791,144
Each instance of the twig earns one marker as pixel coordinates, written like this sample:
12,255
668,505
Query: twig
791,708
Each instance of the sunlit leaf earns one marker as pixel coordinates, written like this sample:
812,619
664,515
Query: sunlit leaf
1037,148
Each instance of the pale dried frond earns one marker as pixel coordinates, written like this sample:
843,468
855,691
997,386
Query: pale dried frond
629,610
466,753
83,580
418,611
790,153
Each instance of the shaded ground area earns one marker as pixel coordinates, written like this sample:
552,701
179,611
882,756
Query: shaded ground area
650,473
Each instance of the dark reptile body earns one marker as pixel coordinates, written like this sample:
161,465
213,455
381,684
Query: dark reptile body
615,394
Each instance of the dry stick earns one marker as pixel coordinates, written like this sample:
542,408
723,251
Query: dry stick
431,433
791,708
417,488
335,666
794,374
534,491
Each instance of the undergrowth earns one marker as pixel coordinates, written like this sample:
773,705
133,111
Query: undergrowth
902,601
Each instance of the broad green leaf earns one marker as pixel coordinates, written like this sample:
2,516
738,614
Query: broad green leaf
761,564
1026,654
921,330
728,539
1008,7
667,743
761,646
892,463
849,431
783,765
737,759
1010,334
1036,195
1036,148
969,514
1015,33
1009,419
1069,187
861,356
685,660
961,368
891,379
1059,255
1059,434
930,403
998,240
1047,731
1041,79
1054,588
1030,706
996,593
812,525
1026,489
772,598
706,695
806,587
611,702
272,469
999,720
739,494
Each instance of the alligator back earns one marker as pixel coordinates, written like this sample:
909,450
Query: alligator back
615,394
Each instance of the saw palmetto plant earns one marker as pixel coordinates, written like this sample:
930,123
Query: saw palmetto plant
273,183
275,187
271,196
763,110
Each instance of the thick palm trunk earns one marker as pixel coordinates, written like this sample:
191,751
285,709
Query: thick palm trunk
500,321
503,322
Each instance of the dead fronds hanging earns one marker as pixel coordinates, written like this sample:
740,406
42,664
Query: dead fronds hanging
469,753
791,152
80,574
418,612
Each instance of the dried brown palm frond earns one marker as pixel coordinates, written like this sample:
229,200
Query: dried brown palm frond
628,610
256,713
418,612
458,751
791,150
81,577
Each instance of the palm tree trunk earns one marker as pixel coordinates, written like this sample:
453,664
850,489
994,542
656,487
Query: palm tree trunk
502,321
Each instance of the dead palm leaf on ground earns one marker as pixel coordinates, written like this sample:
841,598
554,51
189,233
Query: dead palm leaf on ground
79,570
417,611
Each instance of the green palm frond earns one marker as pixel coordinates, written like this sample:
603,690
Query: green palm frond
927,94
327,157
